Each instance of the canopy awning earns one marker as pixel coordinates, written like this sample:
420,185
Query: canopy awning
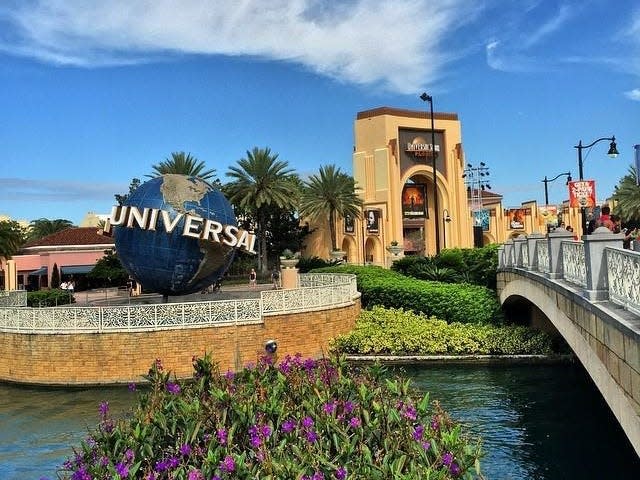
39,272
76,269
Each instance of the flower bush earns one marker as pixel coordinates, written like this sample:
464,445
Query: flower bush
299,419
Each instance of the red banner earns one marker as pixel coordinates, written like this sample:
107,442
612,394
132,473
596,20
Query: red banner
582,193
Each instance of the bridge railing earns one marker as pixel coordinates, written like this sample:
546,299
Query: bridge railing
598,264
318,291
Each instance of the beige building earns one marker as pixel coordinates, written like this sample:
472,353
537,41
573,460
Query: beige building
393,169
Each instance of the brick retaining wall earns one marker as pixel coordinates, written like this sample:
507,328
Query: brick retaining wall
108,358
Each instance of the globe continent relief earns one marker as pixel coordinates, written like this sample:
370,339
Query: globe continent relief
171,263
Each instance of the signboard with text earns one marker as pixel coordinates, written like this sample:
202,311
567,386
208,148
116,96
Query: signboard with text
582,193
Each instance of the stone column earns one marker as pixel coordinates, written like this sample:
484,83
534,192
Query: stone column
518,244
555,239
508,253
501,257
594,256
289,277
532,245
11,276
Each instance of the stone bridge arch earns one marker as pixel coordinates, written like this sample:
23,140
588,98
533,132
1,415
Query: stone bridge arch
594,335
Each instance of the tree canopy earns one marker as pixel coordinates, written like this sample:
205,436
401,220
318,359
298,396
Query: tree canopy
330,194
42,227
627,197
184,164
259,181
12,236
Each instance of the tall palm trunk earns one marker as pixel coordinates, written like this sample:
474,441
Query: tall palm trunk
332,228
262,254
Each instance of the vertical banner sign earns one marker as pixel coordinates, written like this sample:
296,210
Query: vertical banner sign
582,193
481,219
637,147
349,224
413,201
373,221
548,215
516,218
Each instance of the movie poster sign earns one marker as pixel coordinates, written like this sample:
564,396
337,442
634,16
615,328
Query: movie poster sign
373,221
349,224
548,215
413,201
516,218
481,219
582,193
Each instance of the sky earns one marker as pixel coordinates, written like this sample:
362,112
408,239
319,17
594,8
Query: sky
94,93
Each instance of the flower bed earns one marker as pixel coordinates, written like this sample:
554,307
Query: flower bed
300,419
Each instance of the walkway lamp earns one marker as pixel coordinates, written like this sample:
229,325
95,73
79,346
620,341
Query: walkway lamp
428,98
613,153
446,218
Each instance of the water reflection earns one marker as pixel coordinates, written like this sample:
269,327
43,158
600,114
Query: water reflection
537,422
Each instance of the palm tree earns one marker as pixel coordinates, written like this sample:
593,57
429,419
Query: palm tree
261,180
328,195
43,226
12,236
183,164
627,196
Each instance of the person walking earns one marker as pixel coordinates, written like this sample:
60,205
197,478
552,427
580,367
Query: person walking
275,278
252,278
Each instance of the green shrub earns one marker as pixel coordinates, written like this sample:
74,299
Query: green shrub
471,265
381,331
49,298
301,419
462,303
305,264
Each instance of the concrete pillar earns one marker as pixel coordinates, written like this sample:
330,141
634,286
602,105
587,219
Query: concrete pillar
594,256
532,245
11,276
501,257
508,253
289,276
518,244
555,238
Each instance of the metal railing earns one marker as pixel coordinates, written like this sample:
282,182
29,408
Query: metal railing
316,291
13,298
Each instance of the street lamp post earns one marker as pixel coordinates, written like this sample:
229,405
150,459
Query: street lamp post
446,218
613,153
546,181
428,98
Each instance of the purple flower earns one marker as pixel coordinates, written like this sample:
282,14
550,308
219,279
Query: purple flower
312,437
255,441
288,426
426,445
447,459
341,473
195,475
173,388
454,469
418,432
185,449
216,477
318,476
329,407
307,422
222,436
150,476
348,406
104,409
132,387
229,375
355,422
122,469
228,464
159,364
435,425
410,412
265,431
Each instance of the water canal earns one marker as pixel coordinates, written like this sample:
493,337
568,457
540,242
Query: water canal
542,422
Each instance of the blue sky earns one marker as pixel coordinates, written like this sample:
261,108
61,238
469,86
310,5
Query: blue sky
92,94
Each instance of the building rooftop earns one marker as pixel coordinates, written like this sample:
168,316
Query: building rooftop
72,236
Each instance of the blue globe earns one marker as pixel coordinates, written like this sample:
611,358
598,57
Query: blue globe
160,256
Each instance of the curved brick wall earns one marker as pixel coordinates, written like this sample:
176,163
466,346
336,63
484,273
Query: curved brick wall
108,358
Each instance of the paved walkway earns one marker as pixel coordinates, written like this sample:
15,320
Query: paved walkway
115,296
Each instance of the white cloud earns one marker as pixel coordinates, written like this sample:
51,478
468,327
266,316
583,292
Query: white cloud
633,94
388,42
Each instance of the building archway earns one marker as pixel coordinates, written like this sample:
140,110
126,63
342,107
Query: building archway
350,248
373,252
